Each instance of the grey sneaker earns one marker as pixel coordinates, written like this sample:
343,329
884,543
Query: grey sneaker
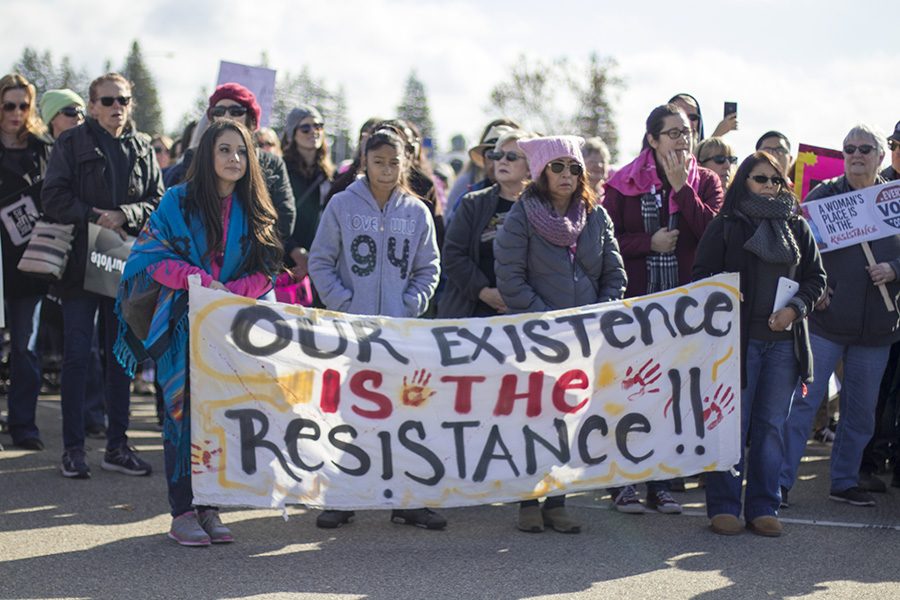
186,530
212,525
125,460
627,501
74,465
662,501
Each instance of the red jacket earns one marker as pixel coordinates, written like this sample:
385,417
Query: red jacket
697,209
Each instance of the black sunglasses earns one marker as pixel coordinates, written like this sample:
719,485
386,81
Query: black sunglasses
850,149
108,100
11,106
71,111
763,180
693,117
721,159
893,145
307,127
574,168
235,111
498,154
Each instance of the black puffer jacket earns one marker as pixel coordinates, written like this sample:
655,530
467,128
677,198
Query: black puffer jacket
24,179
77,182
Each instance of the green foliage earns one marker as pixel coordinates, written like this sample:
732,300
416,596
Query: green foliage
147,112
39,69
414,106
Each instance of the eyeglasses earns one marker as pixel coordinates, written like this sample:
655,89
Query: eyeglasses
763,180
498,155
574,168
774,150
677,132
235,110
108,100
893,145
71,111
307,127
266,144
850,149
11,106
721,159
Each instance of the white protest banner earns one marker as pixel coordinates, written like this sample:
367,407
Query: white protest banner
259,80
294,405
859,216
105,261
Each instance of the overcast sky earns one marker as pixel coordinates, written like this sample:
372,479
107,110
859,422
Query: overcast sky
809,68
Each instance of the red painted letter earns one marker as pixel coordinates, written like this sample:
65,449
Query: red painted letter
331,391
576,379
463,402
357,386
508,395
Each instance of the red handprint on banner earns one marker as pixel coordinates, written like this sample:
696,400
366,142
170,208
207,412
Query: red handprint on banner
202,459
646,376
715,409
416,391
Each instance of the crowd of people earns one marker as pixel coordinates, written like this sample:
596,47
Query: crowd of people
533,222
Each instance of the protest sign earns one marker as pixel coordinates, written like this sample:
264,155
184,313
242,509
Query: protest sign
815,165
294,405
259,80
859,216
107,253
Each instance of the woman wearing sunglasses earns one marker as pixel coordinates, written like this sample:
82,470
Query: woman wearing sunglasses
556,249
851,322
760,235
660,204
468,252
24,152
311,172
106,172
716,155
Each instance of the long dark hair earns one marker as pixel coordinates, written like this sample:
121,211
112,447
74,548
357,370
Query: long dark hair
738,189
656,120
583,190
202,200
292,157
388,134
343,181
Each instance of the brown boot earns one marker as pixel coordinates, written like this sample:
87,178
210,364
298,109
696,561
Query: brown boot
558,519
766,525
725,524
530,519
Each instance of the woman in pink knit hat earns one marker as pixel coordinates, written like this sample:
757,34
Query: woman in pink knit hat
556,250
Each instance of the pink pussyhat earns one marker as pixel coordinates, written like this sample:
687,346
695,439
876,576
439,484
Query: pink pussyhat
542,150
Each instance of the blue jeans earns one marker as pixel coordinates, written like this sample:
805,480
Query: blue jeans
23,317
95,399
772,374
863,369
78,332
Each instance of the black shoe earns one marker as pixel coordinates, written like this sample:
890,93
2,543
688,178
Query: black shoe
74,465
31,444
784,498
331,519
871,483
854,496
125,460
420,517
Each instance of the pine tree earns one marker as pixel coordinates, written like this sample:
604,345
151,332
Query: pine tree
37,68
529,95
147,112
414,106
595,116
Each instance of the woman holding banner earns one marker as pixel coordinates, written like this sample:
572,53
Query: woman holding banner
24,151
851,322
220,225
102,171
660,204
760,235
354,267
556,250
468,253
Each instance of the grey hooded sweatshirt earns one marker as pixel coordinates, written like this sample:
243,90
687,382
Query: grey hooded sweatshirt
369,261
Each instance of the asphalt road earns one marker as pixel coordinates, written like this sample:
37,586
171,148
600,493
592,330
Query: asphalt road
105,538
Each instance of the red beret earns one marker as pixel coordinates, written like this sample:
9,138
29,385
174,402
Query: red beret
241,95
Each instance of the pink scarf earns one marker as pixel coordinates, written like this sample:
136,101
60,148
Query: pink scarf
640,177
